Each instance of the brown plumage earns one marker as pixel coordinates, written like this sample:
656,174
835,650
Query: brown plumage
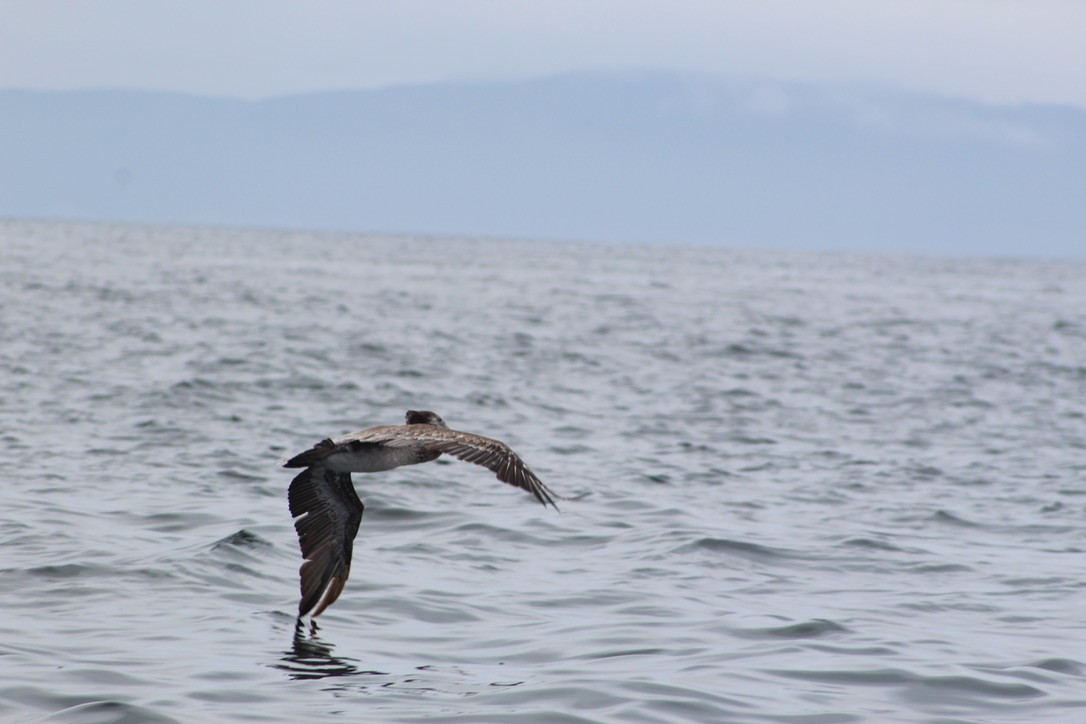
327,510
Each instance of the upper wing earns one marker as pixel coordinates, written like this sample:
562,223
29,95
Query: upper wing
327,513
492,454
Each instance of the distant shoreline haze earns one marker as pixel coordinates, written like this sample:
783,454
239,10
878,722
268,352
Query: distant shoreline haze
647,157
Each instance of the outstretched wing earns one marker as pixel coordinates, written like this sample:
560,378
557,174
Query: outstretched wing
327,513
492,454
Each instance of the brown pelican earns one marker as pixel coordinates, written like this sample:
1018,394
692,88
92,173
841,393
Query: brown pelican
327,510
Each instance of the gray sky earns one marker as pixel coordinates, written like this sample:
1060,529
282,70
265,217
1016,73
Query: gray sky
994,50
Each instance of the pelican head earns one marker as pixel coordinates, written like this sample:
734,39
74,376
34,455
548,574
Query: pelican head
425,417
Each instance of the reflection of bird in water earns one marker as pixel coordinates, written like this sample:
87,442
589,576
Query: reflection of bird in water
311,658
326,508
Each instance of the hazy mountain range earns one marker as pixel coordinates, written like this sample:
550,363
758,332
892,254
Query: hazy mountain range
642,157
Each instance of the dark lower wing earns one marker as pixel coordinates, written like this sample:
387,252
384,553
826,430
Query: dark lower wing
327,513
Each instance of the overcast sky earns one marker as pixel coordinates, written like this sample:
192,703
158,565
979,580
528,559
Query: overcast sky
994,50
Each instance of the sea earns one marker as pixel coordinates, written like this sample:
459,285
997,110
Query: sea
813,488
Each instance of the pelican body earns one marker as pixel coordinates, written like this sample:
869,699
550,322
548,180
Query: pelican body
327,510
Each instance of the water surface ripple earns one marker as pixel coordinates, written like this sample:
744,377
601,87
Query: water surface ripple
824,487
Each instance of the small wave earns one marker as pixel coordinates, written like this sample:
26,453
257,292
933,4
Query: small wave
922,688
239,475
109,712
69,570
744,351
242,539
738,547
393,512
815,628
1062,666
943,516
939,568
494,532
872,544
575,449
624,652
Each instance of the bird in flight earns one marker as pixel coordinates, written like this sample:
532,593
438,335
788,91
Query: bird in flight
327,510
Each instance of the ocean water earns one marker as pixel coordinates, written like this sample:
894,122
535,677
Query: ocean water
823,487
